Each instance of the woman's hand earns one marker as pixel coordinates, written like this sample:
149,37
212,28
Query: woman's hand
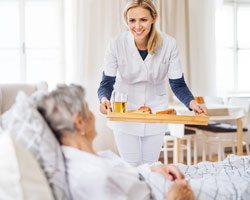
198,108
168,171
105,106
180,189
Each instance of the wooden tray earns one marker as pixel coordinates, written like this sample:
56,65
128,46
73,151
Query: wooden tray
218,112
158,118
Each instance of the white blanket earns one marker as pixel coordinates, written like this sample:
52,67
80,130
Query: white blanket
108,177
229,179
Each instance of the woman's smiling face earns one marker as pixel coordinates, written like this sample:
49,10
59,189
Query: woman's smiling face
140,21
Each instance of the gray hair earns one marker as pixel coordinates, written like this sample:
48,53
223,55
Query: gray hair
59,106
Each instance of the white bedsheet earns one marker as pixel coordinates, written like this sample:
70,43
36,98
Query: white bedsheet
229,179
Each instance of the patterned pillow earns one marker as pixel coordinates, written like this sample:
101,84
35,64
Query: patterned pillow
29,128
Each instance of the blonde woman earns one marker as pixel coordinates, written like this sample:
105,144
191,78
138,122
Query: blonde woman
137,63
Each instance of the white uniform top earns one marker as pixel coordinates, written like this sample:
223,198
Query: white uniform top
143,81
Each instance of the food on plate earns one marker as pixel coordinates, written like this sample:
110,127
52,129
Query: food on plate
199,99
142,109
170,111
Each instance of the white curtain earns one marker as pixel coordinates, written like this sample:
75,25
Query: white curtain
90,25
192,24
202,47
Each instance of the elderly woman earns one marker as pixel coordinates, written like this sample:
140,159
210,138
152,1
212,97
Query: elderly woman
102,175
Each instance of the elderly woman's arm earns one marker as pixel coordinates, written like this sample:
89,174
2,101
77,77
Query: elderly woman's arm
170,172
100,184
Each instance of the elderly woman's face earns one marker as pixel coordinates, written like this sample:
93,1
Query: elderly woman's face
89,123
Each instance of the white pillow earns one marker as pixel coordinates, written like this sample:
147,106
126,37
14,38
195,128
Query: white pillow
21,175
29,128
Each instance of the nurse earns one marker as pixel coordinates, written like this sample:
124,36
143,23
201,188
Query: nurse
136,63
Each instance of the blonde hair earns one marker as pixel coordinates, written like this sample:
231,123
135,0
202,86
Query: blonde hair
154,37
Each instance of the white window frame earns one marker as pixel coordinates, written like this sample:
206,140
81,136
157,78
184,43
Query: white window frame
22,35
236,4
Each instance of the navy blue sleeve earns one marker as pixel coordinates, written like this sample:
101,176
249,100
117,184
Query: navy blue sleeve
181,91
106,86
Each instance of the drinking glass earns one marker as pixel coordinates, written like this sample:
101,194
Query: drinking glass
119,101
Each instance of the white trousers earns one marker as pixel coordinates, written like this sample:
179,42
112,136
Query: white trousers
137,150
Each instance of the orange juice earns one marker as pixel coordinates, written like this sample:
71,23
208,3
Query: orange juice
120,106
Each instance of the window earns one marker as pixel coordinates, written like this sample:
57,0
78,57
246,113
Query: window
233,46
31,41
